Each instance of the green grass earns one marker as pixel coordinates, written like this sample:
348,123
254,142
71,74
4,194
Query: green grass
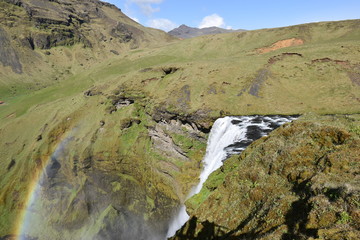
230,58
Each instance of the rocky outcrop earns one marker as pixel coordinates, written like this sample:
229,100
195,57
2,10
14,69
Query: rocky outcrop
300,182
199,120
254,88
124,32
162,141
58,23
259,80
8,55
183,144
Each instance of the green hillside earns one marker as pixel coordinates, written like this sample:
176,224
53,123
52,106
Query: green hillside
130,108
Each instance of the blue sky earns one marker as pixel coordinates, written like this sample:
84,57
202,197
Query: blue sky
236,14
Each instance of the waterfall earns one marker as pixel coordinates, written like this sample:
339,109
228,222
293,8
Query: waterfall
223,133
228,136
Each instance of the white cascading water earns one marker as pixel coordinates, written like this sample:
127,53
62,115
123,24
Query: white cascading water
223,133
228,136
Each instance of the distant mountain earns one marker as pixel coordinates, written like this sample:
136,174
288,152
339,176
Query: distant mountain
189,32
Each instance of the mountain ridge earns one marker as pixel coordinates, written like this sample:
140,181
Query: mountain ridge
184,31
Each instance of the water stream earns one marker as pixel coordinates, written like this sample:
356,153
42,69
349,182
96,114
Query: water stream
228,136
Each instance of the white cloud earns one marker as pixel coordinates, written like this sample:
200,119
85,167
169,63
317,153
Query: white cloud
162,23
213,20
146,6
135,19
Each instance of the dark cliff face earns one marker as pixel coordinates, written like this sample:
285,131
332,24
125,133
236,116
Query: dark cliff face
8,55
189,32
301,182
64,22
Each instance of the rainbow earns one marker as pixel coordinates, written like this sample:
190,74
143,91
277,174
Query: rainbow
24,218
30,198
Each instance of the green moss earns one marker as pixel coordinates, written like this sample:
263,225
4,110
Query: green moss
344,218
182,141
212,183
116,186
195,201
195,149
355,129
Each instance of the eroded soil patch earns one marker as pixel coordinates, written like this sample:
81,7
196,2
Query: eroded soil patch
280,57
281,44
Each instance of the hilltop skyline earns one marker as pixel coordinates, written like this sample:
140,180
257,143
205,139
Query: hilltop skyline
231,14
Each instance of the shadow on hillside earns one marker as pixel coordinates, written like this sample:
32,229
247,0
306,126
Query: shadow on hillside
208,231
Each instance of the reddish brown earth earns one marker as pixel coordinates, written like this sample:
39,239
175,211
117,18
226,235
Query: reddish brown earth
281,44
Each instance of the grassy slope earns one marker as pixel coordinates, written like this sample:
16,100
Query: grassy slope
47,67
207,62
215,69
